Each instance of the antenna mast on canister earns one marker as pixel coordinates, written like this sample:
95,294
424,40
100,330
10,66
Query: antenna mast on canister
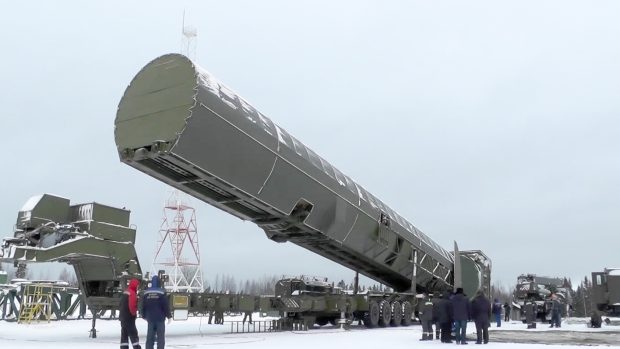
188,40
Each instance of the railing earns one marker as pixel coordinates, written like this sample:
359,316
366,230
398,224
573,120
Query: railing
37,303
286,324
255,326
65,302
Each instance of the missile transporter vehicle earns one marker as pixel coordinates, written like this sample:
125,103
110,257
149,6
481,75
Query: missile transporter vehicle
606,291
99,243
538,289
180,125
318,302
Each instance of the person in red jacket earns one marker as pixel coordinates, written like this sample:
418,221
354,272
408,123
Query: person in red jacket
128,310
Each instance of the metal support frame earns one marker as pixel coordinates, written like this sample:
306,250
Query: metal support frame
177,247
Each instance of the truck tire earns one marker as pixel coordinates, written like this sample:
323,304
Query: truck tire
371,318
407,312
397,314
385,315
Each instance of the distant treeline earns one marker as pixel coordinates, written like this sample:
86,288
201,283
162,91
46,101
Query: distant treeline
265,285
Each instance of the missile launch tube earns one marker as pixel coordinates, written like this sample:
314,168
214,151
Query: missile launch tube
179,124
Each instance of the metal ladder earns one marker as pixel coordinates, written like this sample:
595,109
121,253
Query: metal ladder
37,303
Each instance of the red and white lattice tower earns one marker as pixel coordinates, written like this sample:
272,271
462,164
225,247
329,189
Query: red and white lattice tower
177,249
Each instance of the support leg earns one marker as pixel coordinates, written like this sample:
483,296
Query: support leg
93,330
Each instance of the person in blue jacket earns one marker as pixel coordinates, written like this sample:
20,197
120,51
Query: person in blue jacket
155,310
497,312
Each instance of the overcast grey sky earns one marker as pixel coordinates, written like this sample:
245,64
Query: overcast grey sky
492,123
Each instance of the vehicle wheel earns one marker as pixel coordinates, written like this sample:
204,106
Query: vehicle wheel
385,315
309,322
397,314
407,312
371,318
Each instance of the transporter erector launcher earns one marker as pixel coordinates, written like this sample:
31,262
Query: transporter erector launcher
179,124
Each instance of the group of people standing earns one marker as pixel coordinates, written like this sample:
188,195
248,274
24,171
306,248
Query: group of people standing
533,311
154,310
497,311
456,310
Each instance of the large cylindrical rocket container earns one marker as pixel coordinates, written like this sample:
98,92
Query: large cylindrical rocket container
179,124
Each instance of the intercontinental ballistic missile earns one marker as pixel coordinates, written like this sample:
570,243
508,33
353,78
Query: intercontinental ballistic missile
179,124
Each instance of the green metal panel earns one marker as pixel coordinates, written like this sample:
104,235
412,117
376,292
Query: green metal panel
613,289
42,209
100,213
266,304
108,231
165,93
471,282
247,303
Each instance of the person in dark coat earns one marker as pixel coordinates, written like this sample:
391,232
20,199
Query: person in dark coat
155,309
481,312
128,310
219,317
497,312
436,299
556,311
247,314
462,313
506,312
595,319
530,314
426,318
445,318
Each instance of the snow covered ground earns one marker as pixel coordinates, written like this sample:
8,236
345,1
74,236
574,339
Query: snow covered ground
196,333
